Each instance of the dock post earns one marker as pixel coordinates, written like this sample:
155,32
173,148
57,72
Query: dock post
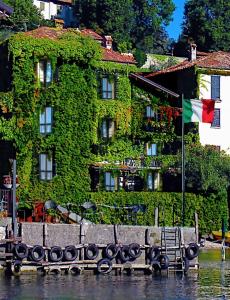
196,227
156,216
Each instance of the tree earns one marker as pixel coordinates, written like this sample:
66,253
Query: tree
207,170
206,22
132,23
26,15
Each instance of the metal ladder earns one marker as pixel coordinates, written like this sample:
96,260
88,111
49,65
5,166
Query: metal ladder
171,246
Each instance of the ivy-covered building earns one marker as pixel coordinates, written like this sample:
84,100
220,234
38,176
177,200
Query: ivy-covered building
84,125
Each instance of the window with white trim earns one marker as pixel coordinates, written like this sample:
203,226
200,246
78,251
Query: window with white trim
44,72
46,120
216,119
150,113
45,167
107,128
108,87
151,149
110,182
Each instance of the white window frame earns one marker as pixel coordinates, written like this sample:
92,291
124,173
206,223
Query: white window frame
151,149
46,120
107,87
45,167
44,72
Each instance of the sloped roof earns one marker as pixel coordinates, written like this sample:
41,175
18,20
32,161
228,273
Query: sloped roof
110,55
93,34
55,33
214,60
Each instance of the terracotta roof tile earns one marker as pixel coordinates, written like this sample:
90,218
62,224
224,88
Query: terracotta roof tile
93,34
214,60
108,54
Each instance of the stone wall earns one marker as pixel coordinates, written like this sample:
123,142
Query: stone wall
70,234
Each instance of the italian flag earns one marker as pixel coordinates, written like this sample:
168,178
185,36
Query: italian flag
195,110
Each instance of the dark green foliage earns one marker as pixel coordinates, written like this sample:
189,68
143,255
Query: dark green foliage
210,209
26,15
206,22
207,170
132,23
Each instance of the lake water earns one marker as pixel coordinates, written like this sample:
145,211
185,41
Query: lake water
212,281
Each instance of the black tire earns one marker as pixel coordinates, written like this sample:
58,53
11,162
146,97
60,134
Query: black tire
104,261
21,251
192,251
37,253
163,261
70,253
55,254
124,253
91,252
154,253
134,250
17,268
110,251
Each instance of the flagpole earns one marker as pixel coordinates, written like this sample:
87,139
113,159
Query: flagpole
183,168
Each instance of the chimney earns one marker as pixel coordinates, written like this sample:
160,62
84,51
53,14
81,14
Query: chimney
192,52
108,42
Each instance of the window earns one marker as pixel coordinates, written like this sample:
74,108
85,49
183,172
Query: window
42,6
215,87
109,182
151,149
45,167
44,72
46,118
107,128
150,182
216,120
149,112
108,88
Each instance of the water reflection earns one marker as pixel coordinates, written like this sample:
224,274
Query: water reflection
211,282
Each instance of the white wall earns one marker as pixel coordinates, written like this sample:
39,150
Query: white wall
217,136
50,9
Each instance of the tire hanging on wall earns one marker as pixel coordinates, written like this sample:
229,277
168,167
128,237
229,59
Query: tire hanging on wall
107,262
55,254
70,253
21,251
91,252
154,253
163,261
134,250
124,253
192,251
110,251
37,253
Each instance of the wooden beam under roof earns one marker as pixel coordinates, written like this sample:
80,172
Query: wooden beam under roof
153,84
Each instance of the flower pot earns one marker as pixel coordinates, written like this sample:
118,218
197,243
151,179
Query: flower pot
8,181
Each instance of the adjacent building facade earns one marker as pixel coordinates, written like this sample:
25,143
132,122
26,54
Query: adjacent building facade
206,76
57,9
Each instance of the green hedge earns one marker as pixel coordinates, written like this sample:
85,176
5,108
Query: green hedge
210,210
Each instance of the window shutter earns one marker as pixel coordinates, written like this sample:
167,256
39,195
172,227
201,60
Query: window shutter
216,119
215,87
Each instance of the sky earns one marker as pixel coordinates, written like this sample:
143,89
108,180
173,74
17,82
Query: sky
174,28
